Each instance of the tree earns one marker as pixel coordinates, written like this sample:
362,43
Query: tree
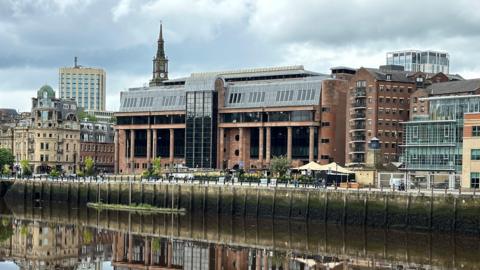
25,166
157,167
6,170
89,163
6,157
279,166
54,173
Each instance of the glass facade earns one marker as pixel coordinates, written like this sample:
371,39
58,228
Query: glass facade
435,144
425,61
200,131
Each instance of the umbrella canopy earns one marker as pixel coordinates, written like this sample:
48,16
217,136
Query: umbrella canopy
334,167
312,166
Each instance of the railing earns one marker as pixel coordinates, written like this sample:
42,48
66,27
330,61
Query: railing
358,138
359,104
434,187
357,115
358,126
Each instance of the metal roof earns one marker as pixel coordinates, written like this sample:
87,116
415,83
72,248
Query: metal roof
396,76
274,93
153,99
454,87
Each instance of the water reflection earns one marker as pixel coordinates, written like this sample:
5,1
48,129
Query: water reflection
57,237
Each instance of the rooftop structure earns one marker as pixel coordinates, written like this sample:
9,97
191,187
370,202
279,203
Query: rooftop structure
423,61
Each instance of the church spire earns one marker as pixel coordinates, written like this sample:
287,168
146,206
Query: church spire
160,46
160,62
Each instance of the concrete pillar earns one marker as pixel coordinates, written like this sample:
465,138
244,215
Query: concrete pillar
220,150
146,252
172,140
267,154
149,146
241,148
130,248
289,143
116,154
311,143
132,150
169,254
260,146
154,148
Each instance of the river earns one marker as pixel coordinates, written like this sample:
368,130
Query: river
54,236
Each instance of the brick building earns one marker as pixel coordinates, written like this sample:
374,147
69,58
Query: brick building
233,119
96,141
377,103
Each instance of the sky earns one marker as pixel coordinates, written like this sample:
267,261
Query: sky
37,37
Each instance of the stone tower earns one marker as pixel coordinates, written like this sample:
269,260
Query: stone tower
160,62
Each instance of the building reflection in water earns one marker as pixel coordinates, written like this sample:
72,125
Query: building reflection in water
42,245
47,245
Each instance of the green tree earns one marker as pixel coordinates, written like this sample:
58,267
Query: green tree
279,166
156,167
6,157
25,166
89,163
6,170
84,115
54,173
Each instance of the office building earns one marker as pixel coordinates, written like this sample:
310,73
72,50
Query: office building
85,85
232,119
445,140
420,61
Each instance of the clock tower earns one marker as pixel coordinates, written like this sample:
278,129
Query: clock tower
160,63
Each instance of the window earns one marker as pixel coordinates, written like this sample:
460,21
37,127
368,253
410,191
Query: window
325,109
325,124
415,99
415,132
389,77
476,131
325,140
474,179
361,83
475,154
446,131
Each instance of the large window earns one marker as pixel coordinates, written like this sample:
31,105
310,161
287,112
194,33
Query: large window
476,131
475,179
475,154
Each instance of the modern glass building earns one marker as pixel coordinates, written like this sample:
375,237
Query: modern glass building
424,61
85,85
434,142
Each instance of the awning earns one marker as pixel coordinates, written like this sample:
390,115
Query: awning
332,167
311,166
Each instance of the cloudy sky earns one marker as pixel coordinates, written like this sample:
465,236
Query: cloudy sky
39,36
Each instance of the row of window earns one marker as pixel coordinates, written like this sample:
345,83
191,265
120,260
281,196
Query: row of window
93,147
100,159
284,95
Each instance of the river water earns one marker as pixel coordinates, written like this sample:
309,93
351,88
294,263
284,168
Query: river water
59,237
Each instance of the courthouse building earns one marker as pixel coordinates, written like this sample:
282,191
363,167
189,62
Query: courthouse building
232,119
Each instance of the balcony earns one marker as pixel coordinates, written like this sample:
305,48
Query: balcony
31,150
358,125
357,138
357,148
356,115
359,104
59,151
360,93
